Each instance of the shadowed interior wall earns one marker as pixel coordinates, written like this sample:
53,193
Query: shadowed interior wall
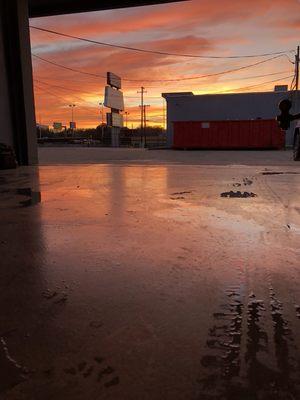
17,101
6,128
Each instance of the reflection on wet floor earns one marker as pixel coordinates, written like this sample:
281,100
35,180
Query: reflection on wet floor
224,378
34,197
141,282
11,372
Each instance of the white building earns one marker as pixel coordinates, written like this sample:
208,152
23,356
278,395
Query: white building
219,107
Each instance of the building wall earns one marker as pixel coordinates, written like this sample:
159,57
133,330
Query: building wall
17,116
224,107
6,127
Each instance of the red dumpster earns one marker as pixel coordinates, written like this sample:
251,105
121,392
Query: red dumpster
246,134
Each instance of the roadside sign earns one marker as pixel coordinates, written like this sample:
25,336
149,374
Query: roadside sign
72,125
113,98
57,125
113,80
115,120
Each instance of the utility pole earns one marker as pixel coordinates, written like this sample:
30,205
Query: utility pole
297,59
142,92
145,124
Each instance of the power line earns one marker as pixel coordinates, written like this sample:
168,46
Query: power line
88,93
163,80
60,87
68,68
259,84
149,97
209,75
67,89
259,76
61,97
155,51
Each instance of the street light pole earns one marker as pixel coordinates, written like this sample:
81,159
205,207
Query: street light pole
126,118
72,112
102,115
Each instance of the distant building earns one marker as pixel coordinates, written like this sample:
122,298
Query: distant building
221,107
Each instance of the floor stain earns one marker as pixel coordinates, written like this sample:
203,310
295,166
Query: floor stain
180,193
280,173
247,181
238,194
106,375
11,372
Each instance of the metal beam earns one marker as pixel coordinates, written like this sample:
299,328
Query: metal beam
43,8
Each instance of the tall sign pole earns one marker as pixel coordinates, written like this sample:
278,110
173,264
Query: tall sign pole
114,100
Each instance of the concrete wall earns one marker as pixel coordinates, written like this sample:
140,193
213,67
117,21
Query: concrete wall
17,116
223,107
6,127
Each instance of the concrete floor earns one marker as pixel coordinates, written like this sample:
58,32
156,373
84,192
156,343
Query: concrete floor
132,281
96,155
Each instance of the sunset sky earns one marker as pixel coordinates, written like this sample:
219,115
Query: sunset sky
210,28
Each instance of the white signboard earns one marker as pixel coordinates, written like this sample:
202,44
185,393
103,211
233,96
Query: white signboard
113,98
114,119
113,80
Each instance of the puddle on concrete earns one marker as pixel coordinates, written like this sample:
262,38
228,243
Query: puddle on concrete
180,193
247,181
96,369
223,377
34,197
238,194
11,372
177,198
280,173
293,228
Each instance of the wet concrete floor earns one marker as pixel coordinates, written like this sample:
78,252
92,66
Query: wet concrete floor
128,282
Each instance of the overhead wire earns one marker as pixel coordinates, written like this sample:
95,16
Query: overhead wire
67,68
275,55
61,97
163,80
257,85
63,88
137,49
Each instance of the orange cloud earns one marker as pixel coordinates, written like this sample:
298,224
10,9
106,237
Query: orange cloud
197,27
